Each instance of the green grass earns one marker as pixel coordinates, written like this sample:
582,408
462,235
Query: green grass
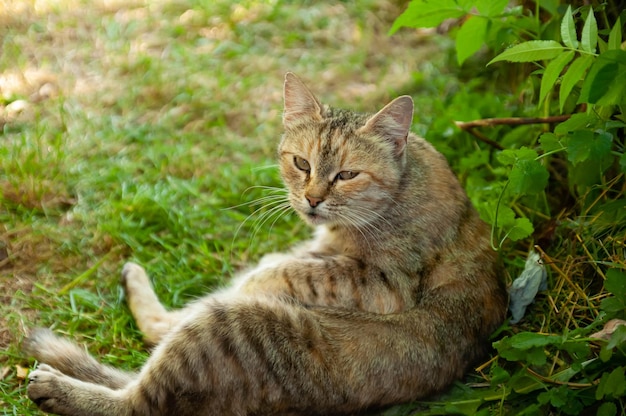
148,128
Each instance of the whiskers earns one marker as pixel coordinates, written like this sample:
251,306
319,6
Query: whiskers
270,207
365,221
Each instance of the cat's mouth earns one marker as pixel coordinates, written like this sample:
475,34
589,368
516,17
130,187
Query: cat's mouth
314,217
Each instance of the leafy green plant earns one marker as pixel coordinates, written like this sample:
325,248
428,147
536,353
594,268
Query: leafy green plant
584,77
550,173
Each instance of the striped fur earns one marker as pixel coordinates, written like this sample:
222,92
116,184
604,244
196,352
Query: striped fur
392,300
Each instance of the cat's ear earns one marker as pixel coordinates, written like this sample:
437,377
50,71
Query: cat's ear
300,103
393,122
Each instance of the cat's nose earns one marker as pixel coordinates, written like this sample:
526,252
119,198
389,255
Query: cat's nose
314,200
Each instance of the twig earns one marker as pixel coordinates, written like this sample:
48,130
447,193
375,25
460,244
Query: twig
470,126
482,137
510,121
563,383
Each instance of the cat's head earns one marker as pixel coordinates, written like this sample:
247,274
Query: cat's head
341,168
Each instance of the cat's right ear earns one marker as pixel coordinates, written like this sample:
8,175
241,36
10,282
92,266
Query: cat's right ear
300,103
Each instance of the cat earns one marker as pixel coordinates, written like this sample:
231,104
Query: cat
393,298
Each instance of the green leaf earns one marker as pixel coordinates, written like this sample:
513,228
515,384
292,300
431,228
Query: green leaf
622,162
429,13
526,346
477,159
536,356
522,229
534,50
607,409
618,337
511,156
605,353
585,144
577,121
617,56
552,72
589,172
612,385
579,146
579,350
569,372
505,216
550,143
470,37
490,8
499,375
533,356
602,45
571,77
616,282
572,406
600,78
525,340
614,124
615,36
557,397
551,6
589,38
528,175
616,95
612,305
523,383
568,30
465,407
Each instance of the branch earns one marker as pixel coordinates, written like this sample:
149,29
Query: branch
470,126
511,121
483,138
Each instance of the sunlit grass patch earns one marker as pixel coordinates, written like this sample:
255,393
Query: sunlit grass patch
146,131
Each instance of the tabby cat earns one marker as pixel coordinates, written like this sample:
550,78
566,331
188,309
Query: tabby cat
392,300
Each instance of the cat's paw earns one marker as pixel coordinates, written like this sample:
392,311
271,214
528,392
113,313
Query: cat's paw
46,389
134,278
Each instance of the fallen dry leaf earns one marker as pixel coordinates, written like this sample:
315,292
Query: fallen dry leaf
21,372
608,329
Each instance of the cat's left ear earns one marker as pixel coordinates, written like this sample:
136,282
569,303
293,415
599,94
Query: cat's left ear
393,122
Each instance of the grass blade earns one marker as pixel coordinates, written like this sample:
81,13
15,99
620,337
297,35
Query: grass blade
85,275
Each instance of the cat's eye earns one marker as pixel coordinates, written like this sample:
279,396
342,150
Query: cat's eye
347,174
301,164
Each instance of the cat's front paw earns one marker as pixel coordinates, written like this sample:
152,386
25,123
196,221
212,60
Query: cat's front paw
134,278
45,389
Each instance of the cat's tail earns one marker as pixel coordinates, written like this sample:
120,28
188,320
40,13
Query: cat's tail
72,360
